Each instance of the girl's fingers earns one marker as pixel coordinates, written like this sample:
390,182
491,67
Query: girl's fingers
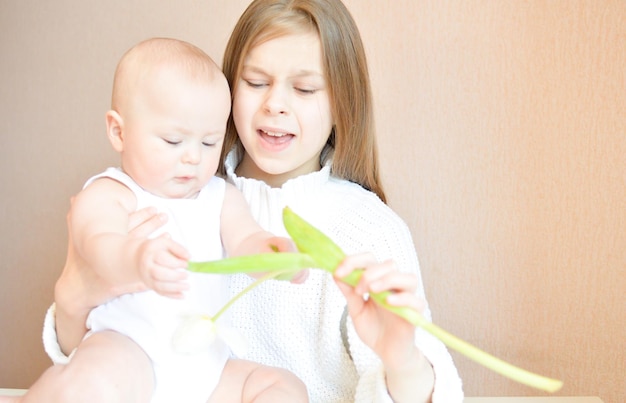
383,276
407,299
352,262
392,280
355,301
378,277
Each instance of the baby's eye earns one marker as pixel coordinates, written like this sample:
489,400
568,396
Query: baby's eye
208,144
172,142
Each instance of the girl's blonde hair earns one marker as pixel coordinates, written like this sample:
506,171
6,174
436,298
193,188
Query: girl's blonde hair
352,143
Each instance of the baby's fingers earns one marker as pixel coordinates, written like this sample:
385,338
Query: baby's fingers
164,252
171,290
280,244
170,282
178,251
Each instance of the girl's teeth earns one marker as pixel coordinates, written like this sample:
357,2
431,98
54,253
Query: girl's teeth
274,134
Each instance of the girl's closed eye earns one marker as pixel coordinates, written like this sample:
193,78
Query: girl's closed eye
305,91
308,85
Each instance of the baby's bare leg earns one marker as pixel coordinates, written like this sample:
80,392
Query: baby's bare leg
106,368
250,382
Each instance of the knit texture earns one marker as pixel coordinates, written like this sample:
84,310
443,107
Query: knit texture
298,326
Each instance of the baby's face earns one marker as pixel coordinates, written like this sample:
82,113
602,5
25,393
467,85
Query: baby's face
173,134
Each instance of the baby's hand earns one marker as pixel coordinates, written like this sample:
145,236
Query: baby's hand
162,266
281,244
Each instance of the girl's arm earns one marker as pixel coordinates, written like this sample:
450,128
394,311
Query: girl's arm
371,226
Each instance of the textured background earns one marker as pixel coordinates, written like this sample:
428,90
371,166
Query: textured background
503,141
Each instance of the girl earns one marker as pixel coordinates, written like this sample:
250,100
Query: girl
301,134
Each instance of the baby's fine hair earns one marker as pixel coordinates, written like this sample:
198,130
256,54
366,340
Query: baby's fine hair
352,142
154,53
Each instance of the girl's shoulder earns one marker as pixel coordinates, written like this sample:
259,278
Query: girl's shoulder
363,208
351,190
359,221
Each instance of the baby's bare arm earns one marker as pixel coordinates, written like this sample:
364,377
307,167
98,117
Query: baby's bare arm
79,289
242,235
99,229
99,225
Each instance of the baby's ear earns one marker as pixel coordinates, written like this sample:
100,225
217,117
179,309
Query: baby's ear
115,129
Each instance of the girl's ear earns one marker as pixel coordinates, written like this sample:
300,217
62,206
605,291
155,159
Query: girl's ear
115,130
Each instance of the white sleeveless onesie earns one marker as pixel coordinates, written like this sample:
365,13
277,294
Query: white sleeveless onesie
151,319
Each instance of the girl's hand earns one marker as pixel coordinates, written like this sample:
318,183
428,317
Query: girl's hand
408,373
391,337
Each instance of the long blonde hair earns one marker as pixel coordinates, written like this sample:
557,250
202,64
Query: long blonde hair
352,143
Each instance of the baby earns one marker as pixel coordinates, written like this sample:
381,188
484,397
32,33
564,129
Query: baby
169,111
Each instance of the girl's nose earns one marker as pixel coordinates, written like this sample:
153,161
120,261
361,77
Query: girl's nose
276,101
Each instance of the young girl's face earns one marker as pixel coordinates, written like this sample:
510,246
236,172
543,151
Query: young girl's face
281,109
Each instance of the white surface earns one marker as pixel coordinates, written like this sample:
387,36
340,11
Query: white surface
553,399
12,392
549,399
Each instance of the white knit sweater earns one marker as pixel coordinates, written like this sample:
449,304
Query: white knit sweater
302,327
299,326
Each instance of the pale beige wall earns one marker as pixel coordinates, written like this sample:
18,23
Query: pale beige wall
503,144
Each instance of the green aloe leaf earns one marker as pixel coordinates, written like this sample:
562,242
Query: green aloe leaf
318,251
328,255
259,263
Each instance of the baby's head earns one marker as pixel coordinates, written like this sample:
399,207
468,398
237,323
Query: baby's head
168,116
